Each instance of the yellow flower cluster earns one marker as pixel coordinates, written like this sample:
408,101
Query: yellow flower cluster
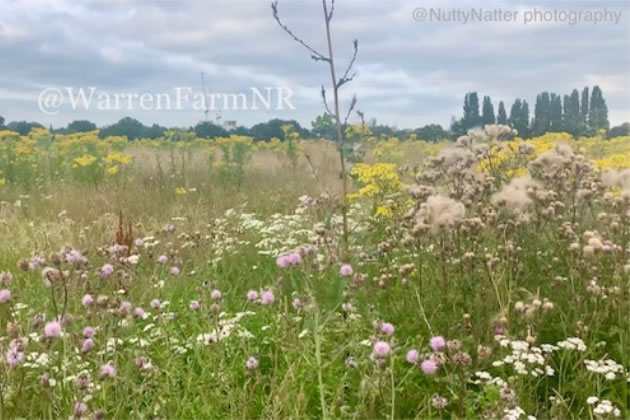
376,181
616,161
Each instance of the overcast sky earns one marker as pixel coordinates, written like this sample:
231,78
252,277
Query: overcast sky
409,73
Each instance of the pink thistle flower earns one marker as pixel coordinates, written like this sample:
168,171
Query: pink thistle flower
88,332
267,297
162,259
14,357
387,328
87,300
216,294
5,295
194,305
175,271
88,344
108,370
107,270
346,270
252,295
125,308
139,313
380,350
52,329
252,363
283,261
429,366
155,304
80,409
36,261
294,258
498,330
413,357
74,257
438,343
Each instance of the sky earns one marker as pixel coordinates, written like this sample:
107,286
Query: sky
408,72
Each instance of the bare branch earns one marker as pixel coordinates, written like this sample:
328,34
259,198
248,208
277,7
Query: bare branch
315,55
345,79
332,9
325,101
352,105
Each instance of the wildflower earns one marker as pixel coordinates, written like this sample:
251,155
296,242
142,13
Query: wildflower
484,351
45,381
13,330
453,345
267,297
108,370
380,350
107,270
413,357
82,381
14,357
174,271
350,362
5,295
88,332
507,394
6,277
440,212
194,305
346,270
438,343
88,344
297,303
80,409
462,359
74,257
283,261
252,295
387,328
439,402
251,363
52,329
155,303
216,294
294,258
429,366
162,259
139,313
87,300
125,308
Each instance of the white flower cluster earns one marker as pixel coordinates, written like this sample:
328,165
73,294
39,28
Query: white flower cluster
572,343
227,327
608,367
483,377
515,414
526,360
603,407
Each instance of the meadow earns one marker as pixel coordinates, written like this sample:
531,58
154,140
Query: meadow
194,278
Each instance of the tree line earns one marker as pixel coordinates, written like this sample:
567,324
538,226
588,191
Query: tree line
578,114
